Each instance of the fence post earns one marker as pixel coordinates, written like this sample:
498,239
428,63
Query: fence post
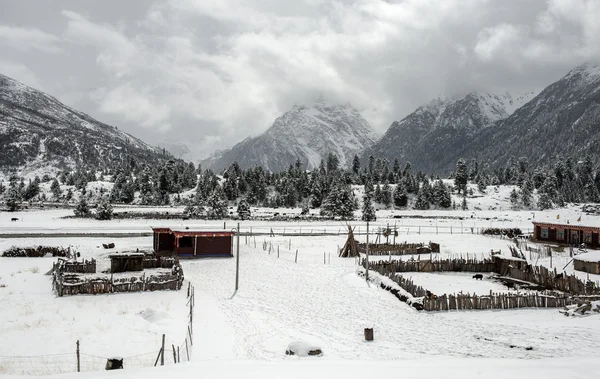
296,259
174,354
162,352
78,358
187,351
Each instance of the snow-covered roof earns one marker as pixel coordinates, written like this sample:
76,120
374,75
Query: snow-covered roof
567,218
592,256
127,254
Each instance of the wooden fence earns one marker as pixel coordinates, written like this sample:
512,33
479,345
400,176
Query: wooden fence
494,301
559,290
467,301
517,270
83,267
399,249
453,265
159,262
73,284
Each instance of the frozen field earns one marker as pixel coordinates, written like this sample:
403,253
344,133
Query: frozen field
39,330
320,299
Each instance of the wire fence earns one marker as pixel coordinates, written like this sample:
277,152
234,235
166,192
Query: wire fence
40,365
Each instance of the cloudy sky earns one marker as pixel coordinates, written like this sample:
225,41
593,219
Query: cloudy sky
210,73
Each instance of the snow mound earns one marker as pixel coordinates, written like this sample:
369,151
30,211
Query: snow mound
303,349
154,316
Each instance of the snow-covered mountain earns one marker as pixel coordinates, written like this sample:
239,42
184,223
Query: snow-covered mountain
308,133
39,134
431,136
564,119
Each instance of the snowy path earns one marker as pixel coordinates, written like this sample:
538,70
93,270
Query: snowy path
280,301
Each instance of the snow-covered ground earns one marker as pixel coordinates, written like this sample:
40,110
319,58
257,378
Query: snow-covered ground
39,330
320,300
316,368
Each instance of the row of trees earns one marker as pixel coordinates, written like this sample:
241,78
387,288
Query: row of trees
327,187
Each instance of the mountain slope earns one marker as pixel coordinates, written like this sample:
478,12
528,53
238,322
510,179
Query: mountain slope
39,133
564,119
305,133
434,135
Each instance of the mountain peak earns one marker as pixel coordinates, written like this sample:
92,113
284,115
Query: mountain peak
307,133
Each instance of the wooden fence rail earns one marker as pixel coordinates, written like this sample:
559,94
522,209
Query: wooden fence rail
66,284
84,267
559,290
513,269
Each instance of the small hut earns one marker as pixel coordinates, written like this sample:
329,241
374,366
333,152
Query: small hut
123,262
589,262
350,249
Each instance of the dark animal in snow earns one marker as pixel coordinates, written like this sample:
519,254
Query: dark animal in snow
430,295
14,219
478,276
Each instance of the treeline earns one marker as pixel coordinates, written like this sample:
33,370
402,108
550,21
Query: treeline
328,187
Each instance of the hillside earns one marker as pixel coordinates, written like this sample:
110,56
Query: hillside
436,134
563,120
40,134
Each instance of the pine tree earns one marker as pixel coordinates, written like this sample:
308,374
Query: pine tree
386,195
481,185
400,196
356,165
82,208
422,203
514,199
427,191
464,206
32,189
13,199
339,203
55,189
461,175
527,193
104,210
217,204
544,201
368,212
145,187
441,195
243,210
377,194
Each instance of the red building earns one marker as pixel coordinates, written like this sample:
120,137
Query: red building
188,243
567,234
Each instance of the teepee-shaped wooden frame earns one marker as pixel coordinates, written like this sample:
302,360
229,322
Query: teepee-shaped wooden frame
350,249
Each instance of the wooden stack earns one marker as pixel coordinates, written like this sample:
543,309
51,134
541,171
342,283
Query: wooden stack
350,249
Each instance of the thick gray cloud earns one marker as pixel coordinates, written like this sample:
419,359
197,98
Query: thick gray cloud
210,73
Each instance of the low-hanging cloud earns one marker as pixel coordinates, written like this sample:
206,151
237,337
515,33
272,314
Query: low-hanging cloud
209,71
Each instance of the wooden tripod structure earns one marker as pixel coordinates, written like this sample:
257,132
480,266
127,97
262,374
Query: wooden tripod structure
350,249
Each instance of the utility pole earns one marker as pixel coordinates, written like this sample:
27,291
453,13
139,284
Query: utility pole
367,260
237,259
78,358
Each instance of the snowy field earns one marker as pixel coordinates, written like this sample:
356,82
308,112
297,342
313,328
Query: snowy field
319,299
